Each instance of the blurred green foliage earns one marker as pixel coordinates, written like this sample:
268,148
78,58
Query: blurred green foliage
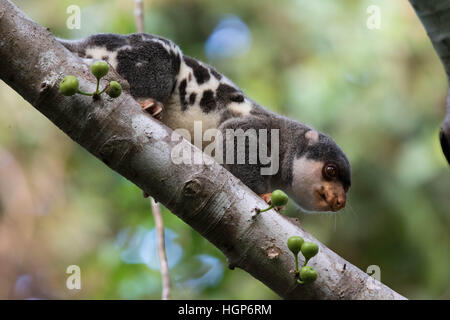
379,93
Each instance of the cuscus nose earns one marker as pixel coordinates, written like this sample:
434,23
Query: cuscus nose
337,202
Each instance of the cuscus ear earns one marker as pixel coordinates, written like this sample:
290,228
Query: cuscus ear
312,136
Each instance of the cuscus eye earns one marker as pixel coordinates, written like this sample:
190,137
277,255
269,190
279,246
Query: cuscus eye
330,171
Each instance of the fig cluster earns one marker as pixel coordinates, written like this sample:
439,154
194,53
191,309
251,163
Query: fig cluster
296,244
70,85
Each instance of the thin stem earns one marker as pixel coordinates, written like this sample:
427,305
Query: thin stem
85,93
103,90
139,15
98,84
296,262
271,207
306,261
164,266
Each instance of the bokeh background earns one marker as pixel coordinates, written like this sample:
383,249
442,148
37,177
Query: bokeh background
378,92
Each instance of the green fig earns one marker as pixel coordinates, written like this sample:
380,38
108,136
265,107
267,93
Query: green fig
99,69
308,274
309,250
69,86
278,198
294,244
114,90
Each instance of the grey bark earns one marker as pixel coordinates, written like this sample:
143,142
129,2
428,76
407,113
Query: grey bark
435,17
207,197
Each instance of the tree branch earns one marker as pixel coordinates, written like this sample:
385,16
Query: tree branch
207,197
435,17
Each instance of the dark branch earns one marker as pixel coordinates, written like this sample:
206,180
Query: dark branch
435,17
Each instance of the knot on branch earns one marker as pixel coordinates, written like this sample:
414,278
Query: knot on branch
44,89
192,188
273,252
115,149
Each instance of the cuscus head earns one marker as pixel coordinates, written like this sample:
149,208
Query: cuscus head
321,174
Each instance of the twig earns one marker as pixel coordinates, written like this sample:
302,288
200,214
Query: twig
431,13
164,266
139,15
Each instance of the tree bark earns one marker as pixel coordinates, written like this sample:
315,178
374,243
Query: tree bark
206,196
435,17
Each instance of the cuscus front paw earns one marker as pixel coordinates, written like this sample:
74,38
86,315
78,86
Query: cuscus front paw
267,198
152,106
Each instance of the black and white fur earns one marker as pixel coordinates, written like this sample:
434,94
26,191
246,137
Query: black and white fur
193,91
